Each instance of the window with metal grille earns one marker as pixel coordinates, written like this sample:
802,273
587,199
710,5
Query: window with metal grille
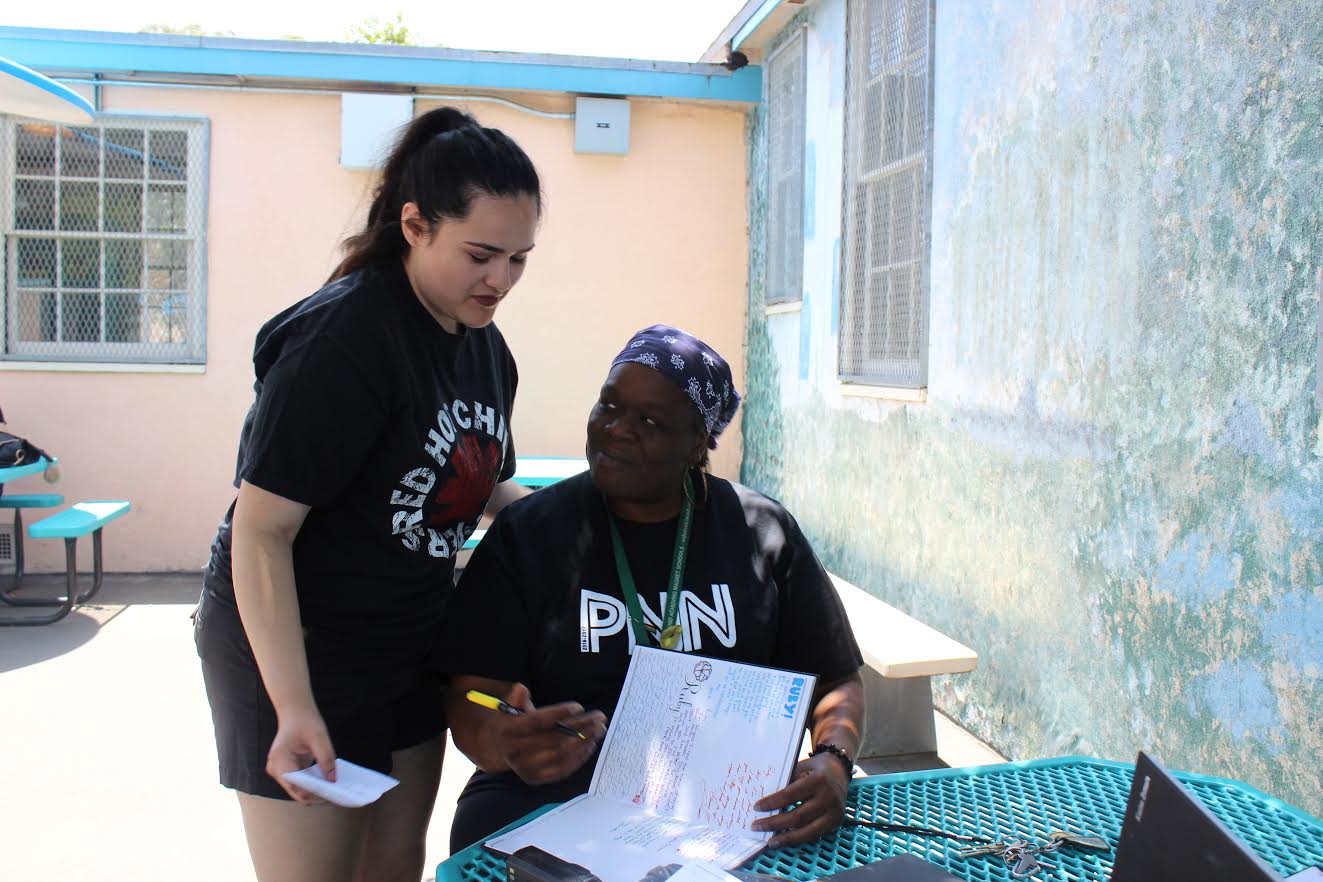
104,240
785,166
888,150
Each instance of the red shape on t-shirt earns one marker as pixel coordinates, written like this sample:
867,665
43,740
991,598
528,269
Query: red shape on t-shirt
476,460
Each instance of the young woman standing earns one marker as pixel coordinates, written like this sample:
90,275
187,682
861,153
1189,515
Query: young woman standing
380,429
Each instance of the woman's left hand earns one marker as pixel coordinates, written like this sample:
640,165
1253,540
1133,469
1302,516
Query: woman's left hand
819,786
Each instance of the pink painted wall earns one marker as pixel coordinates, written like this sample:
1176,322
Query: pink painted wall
658,235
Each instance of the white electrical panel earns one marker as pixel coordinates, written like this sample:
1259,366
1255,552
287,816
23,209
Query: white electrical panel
369,125
8,553
601,125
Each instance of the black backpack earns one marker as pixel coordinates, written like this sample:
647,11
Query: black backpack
16,451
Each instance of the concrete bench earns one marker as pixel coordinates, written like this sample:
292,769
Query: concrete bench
901,655
71,524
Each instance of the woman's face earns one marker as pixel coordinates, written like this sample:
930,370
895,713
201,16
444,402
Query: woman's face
643,434
463,269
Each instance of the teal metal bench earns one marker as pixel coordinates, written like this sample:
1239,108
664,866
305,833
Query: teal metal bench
18,502
70,524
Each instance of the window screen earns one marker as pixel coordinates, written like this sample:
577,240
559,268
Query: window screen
888,146
785,164
104,241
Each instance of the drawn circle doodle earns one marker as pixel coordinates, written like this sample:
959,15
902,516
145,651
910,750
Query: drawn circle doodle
702,671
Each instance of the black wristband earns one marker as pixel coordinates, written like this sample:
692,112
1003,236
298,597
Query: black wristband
839,753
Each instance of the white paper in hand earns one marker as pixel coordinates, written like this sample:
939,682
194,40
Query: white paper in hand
354,786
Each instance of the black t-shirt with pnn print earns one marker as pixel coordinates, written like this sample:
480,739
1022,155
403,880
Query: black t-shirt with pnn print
394,432
540,602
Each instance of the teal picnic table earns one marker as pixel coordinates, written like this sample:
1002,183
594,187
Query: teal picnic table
1025,800
17,503
542,471
78,520
21,471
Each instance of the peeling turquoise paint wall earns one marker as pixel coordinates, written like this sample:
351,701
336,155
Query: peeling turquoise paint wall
1115,489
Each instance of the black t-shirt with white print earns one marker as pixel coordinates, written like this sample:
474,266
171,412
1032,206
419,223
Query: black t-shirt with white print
394,433
540,600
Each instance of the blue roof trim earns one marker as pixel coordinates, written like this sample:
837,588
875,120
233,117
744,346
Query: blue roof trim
43,98
752,24
252,59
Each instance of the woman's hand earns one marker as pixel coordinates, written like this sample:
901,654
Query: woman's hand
819,786
536,751
301,740
527,744
265,525
820,782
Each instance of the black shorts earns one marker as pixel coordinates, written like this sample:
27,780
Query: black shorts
369,714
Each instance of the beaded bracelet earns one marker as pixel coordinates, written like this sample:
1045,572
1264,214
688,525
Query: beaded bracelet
839,753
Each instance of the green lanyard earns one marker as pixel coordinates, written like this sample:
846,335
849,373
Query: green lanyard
671,632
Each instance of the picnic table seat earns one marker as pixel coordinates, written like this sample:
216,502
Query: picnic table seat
71,524
17,502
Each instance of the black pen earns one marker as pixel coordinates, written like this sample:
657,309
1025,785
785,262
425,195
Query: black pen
491,701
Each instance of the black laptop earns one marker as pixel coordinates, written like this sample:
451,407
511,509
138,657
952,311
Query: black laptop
1169,835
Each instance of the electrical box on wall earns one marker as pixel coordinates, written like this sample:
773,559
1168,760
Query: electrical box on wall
369,124
601,125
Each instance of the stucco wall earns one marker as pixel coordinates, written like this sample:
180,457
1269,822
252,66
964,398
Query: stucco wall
657,235
1114,490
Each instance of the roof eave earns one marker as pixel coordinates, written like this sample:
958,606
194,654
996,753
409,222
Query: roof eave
143,55
752,29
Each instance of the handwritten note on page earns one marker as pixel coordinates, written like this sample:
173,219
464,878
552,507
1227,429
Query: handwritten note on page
695,742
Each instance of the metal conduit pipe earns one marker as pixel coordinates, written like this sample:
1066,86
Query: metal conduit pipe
97,82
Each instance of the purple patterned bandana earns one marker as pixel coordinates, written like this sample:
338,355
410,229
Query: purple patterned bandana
692,365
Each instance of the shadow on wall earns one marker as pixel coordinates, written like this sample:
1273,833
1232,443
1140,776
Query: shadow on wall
764,444
763,465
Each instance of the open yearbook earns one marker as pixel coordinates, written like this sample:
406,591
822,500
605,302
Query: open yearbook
695,742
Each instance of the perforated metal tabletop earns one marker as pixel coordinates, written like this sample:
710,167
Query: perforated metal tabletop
1025,800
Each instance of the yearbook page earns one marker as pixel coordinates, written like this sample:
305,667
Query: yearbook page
695,742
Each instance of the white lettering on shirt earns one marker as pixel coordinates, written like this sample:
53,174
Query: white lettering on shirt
484,417
437,447
720,621
461,418
437,546
446,424
601,615
421,480
405,521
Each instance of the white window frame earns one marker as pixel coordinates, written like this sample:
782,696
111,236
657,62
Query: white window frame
862,319
783,282
192,351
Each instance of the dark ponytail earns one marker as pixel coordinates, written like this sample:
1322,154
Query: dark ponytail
441,161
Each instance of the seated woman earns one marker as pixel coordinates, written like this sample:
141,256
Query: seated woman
567,580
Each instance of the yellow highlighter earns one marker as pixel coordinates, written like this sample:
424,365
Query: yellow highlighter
491,701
